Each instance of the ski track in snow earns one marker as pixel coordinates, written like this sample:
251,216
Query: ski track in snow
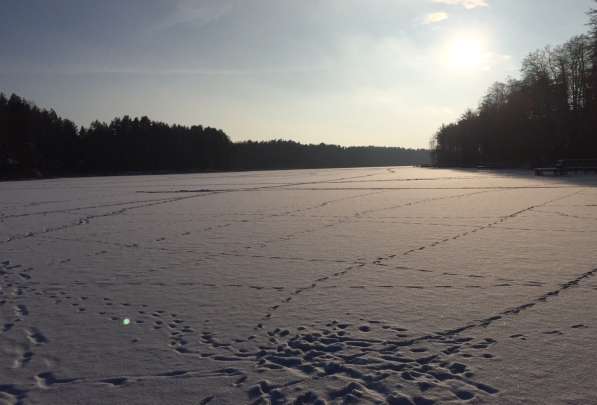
331,361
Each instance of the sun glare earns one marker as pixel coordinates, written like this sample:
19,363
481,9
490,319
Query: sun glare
464,52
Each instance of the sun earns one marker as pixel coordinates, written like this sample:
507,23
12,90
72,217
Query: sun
464,52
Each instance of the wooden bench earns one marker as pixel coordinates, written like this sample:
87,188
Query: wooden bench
540,171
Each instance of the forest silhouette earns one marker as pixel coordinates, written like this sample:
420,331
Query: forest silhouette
550,113
35,142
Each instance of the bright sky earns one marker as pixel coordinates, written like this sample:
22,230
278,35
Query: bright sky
350,72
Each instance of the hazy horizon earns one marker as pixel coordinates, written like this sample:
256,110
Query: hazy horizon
387,73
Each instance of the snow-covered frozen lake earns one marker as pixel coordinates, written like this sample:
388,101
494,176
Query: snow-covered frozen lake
374,285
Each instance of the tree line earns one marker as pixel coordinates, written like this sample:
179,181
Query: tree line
550,113
35,142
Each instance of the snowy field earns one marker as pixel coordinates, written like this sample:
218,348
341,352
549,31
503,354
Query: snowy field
374,285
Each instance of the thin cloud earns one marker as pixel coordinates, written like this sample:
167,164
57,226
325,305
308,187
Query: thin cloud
491,60
433,18
468,4
198,12
144,71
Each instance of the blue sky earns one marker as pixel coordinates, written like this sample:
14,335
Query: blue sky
351,72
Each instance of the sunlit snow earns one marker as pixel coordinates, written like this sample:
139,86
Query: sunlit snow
373,285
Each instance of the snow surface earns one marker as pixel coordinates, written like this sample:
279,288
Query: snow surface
374,285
